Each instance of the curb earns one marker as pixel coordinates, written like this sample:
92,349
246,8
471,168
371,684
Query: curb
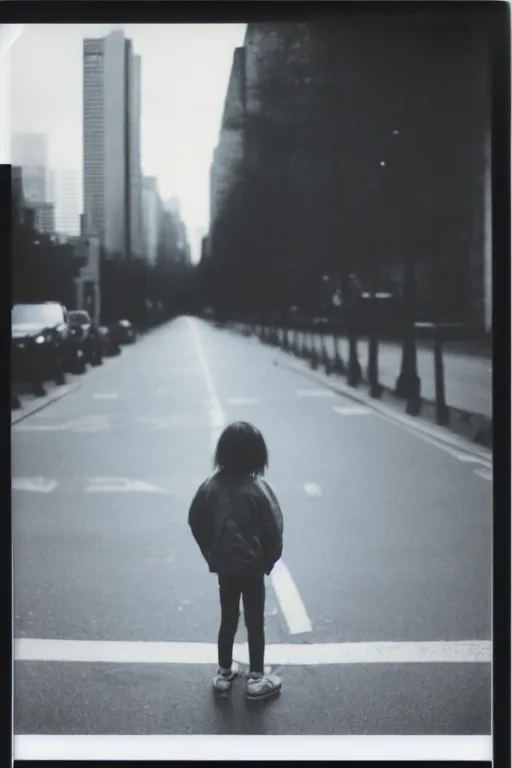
431,431
57,394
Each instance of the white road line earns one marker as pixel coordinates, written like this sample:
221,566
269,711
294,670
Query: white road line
352,410
469,459
33,484
485,473
136,652
216,414
121,485
243,400
290,600
106,396
372,749
315,393
312,489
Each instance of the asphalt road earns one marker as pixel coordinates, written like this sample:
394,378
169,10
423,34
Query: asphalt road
387,540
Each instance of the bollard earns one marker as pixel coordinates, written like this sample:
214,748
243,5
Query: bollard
313,357
442,411
354,374
325,360
373,368
338,365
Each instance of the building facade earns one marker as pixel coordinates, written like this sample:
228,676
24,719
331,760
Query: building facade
44,217
65,193
151,208
111,134
229,152
30,152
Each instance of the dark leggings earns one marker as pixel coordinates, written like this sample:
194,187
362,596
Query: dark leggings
252,590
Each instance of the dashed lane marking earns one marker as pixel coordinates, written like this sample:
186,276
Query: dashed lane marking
122,485
33,484
484,472
315,393
243,400
289,599
312,489
352,410
136,652
106,396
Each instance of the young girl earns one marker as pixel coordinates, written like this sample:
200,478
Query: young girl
237,522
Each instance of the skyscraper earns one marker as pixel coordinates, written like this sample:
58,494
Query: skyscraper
112,172
151,205
64,193
30,152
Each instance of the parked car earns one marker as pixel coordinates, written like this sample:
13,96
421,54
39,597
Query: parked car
88,335
110,347
123,332
42,346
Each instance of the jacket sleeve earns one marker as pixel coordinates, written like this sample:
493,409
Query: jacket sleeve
200,522
271,527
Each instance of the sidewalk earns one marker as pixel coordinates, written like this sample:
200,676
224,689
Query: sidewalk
468,377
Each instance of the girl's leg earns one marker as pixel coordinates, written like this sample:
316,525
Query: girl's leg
229,592
254,613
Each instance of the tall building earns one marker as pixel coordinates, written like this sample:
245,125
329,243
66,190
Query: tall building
111,130
64,192
151,207
229,152
30,152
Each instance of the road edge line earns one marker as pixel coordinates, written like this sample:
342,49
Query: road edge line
57,394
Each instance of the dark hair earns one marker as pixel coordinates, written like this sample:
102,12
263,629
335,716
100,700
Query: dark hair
241,449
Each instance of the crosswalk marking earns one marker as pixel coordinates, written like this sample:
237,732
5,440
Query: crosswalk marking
312,489
352,410
33,484
146,748
315,393
136,652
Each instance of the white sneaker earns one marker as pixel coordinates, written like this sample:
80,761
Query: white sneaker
223,680
263,686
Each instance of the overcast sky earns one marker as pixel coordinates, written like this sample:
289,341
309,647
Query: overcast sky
185,71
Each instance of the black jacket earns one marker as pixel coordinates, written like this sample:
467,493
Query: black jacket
237,523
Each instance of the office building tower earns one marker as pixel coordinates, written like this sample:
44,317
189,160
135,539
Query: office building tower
111,135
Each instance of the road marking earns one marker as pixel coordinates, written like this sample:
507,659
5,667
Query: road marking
106,396
312,489
156,422
315,393
121,485
469,459
372,749
484,472
216,413
352,410
93,423
33,484
290,600
243,400
137,652
33,426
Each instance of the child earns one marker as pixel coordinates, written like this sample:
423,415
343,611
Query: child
237,522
